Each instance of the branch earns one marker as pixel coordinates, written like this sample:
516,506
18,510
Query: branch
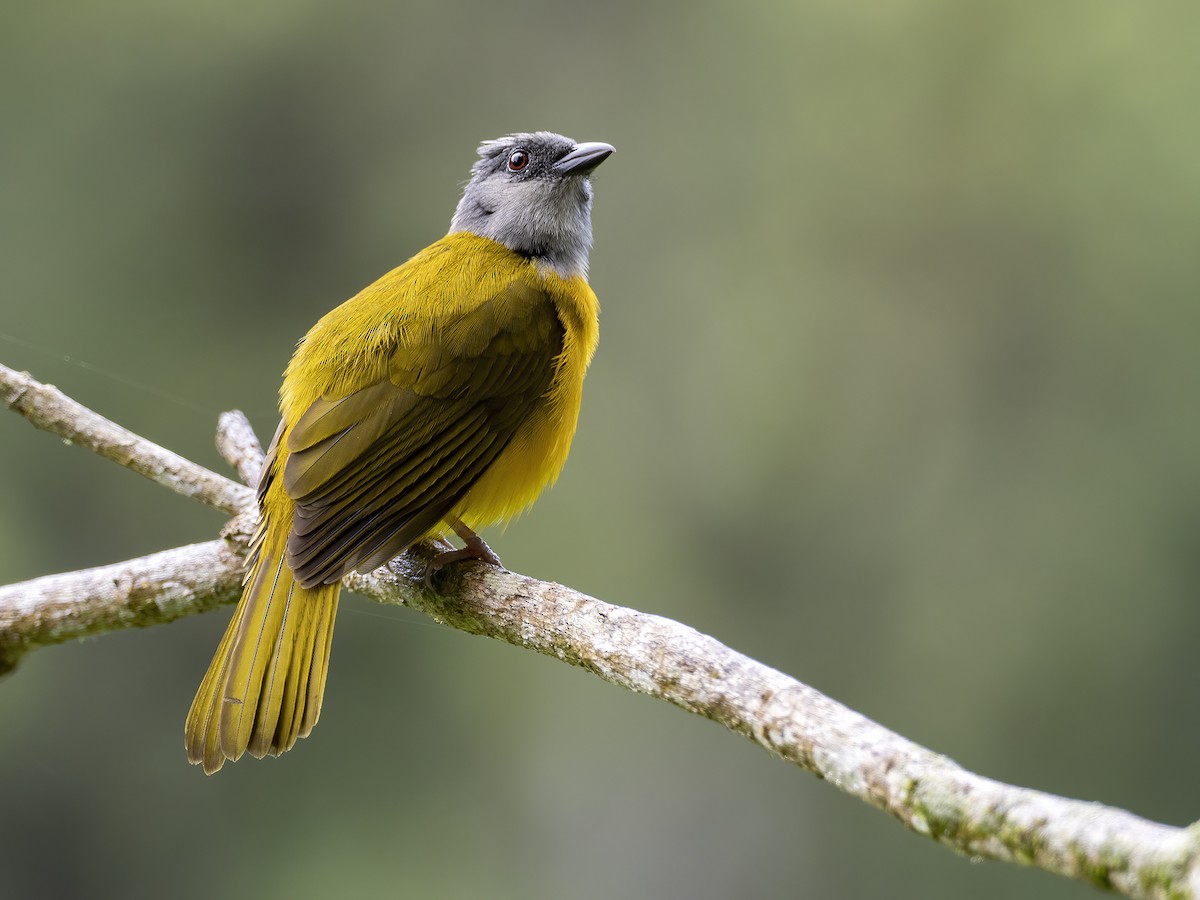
48,408
239,447
928,793
152,590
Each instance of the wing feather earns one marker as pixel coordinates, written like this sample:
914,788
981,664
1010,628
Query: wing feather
375,470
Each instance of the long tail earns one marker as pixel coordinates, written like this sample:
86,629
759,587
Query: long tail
264,685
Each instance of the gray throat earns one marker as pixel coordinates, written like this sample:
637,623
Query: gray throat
546,220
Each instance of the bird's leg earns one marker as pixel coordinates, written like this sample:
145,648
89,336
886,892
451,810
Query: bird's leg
475,548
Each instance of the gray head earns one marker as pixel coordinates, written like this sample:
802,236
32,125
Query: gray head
531,193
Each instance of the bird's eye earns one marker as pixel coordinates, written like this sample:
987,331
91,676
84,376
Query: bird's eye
517,160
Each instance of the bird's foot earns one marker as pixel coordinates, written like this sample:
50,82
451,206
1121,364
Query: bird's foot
474,547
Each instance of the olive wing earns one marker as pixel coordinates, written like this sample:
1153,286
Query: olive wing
375,470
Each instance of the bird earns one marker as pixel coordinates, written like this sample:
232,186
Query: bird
442,398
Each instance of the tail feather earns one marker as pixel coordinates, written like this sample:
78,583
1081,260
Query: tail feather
260,638
203,736
287,671
317,674
291,684
263,688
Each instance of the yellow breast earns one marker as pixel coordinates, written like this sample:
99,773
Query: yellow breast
535,457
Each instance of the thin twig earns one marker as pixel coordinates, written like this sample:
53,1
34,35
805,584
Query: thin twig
239,445
48,408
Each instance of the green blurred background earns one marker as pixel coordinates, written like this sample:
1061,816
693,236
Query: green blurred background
897,392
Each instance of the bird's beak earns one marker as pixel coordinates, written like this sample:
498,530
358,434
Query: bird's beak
583,158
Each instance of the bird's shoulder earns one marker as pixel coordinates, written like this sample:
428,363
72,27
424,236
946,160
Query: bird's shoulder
460,298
